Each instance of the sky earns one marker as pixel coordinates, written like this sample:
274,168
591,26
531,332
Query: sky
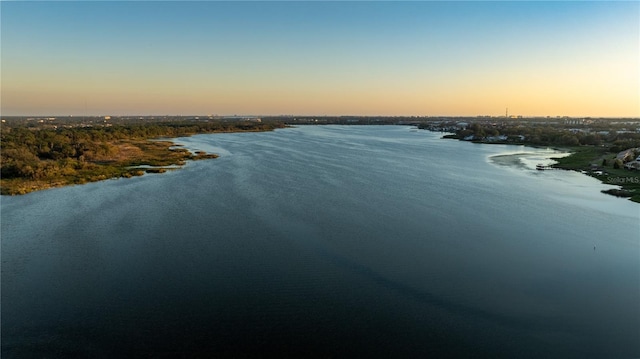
576,58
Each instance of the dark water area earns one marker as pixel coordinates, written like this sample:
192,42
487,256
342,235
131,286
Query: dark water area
325,241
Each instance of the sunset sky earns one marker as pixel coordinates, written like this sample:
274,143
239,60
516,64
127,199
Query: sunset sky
321,58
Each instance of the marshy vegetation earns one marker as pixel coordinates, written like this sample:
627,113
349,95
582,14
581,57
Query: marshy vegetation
604,164
35,158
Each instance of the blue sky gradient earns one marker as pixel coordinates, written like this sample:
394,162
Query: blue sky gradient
324,58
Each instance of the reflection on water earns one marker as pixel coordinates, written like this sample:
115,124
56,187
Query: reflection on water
325,241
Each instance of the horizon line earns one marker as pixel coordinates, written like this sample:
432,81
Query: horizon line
215,116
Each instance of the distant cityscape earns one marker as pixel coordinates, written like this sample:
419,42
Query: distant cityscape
625,124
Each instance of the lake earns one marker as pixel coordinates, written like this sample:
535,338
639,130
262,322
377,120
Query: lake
326,241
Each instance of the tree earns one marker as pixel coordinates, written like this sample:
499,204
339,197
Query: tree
617,163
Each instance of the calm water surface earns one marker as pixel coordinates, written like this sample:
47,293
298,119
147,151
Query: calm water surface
326,241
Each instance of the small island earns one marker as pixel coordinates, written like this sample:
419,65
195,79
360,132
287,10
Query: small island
45,153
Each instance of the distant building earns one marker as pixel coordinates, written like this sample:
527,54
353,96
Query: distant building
626,155
574,121
497,138
633,165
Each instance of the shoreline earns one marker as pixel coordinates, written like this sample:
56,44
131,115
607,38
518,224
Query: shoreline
152,156
585,160
528,159
136,157
129,155
599,164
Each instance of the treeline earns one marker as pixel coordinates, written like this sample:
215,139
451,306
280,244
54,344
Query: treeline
614,140
81,154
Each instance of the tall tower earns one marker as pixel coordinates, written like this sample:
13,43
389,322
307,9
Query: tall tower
506,113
